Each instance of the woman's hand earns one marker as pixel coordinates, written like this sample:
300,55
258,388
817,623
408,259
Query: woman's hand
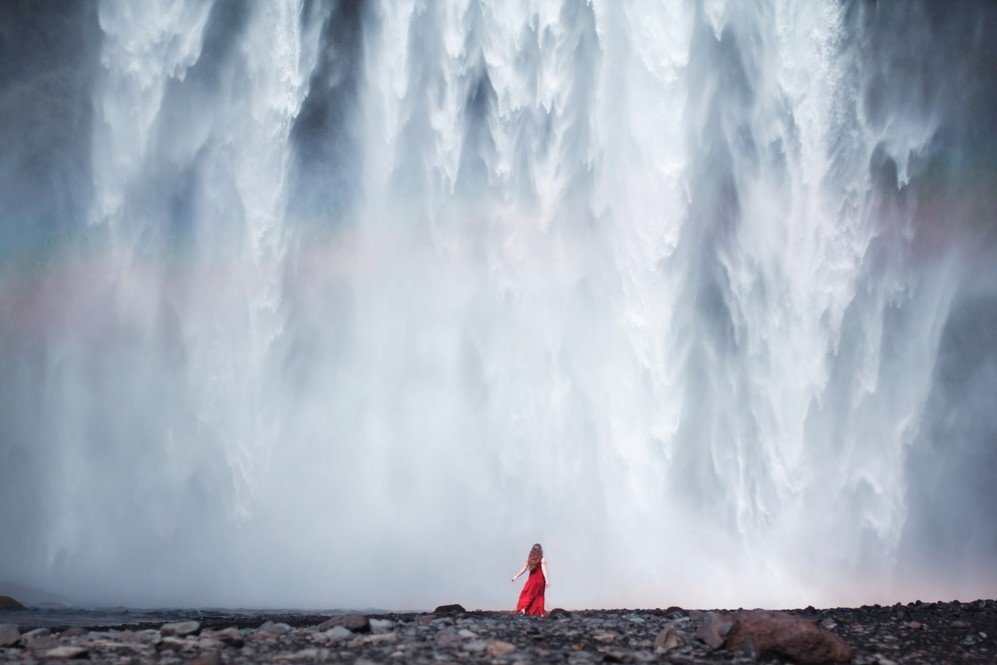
513,579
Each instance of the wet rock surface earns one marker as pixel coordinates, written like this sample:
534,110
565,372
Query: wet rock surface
912,633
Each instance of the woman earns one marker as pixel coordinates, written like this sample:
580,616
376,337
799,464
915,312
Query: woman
531,600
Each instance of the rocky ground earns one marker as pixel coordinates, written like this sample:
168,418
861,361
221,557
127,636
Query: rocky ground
914,633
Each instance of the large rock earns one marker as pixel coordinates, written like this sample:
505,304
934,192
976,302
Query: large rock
559,613
450,609
8,603
666,640
713,629
780,634
358,623
10,634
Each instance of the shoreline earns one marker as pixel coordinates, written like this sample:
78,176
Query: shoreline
912,633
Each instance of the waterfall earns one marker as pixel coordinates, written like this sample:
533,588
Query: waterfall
346,304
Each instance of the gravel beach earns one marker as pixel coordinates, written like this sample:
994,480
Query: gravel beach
912,633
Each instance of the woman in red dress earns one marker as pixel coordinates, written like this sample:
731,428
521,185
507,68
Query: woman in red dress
531,600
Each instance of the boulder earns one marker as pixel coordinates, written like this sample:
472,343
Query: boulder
10,634
559,613
450,609
357,623
8,603
769,633
714,629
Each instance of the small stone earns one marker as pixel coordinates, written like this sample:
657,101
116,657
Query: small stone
466,634
827,623
559,613
230,636
180,628
149,636
66,652
604,636
357,623
959,624
666,640
76,631
376,639
447,636
174,643
35,634
10,634
42,643
337,634
303,654
211,658
499,648
968,641
378,626
475,646
915,625
274,628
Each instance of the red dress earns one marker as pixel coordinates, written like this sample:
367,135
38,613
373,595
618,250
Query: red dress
532,597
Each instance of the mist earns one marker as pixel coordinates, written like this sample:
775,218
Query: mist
347,304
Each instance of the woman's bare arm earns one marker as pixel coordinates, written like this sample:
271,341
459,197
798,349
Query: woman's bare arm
543,568
521,571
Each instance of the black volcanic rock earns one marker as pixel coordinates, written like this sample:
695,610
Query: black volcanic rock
450,609
777,633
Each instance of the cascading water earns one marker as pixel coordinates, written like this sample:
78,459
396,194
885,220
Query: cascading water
347,304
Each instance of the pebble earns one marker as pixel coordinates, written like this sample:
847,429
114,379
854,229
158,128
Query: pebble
273,628
66,652
381,625
475,646
499,647
336,634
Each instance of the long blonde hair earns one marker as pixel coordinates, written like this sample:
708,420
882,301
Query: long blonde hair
536,553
